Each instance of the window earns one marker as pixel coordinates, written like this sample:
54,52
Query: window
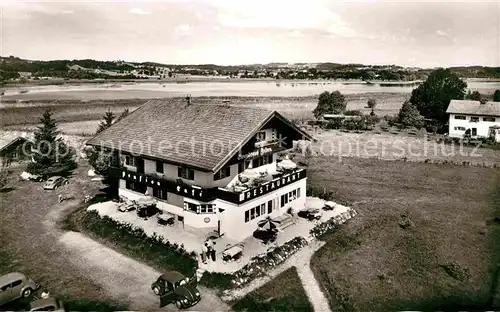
223,173
257,211
262,209
270,206
185,173
247,215
260,136
160,193
13,155
264,160
4,288
207,208
284,199
159,167
492,119
129,160
460,128
16,283
460,117
298,192
474,119
252,213
191,207
48,308
130,185
243,166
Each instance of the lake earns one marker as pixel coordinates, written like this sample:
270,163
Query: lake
110,91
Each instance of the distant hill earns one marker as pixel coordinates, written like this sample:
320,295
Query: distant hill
12,67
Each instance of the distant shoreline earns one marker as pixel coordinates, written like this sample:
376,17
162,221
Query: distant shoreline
195,79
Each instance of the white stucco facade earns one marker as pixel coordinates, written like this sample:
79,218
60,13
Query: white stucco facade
479,125
234,221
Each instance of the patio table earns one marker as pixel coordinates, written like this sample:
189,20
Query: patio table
165,216
232,251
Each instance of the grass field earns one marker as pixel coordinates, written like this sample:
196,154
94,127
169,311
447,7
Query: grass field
375,264
16,115
395,145
283,294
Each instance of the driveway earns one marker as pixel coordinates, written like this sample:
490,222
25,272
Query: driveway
69,263
123,277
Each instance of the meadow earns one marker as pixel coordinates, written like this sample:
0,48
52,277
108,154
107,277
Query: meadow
426,236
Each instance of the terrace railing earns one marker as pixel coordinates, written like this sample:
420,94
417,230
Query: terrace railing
208,194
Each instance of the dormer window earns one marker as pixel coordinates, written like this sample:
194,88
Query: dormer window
260,136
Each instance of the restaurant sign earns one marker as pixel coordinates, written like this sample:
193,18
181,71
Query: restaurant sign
272,185
170,186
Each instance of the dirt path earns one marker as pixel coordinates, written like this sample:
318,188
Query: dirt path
300,260
123,278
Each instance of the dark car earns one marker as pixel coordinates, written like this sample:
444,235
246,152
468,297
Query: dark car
147,211
310,214
47,304
175,287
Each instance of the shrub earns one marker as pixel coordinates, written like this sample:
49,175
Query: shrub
134,240
334,123
353,113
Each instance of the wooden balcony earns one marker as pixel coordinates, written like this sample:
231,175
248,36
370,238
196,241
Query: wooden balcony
208,194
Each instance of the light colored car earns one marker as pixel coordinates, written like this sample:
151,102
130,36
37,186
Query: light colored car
14,286
47,304
54,182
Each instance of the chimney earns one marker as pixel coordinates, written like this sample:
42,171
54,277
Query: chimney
188,99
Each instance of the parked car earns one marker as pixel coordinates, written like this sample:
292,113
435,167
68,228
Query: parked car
14,286
47,304
175,287
147,211
54,182
30,177
310,214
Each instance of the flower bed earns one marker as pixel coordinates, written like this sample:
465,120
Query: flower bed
154,250
330,225
259,265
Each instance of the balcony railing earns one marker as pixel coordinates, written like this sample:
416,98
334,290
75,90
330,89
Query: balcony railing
208,194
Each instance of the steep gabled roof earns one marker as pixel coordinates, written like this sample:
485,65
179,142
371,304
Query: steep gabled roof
5,142
467,107
200,136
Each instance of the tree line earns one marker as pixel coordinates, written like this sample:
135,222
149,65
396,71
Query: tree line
429,101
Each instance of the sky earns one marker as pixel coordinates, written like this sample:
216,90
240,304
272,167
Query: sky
229,32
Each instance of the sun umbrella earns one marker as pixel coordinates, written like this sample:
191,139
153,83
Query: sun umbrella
287,164
146,200
267,224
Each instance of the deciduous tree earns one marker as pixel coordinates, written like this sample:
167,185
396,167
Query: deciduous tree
474,96
433,96
330,103
496,96
409,116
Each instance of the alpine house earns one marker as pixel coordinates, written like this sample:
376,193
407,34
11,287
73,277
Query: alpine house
215,167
